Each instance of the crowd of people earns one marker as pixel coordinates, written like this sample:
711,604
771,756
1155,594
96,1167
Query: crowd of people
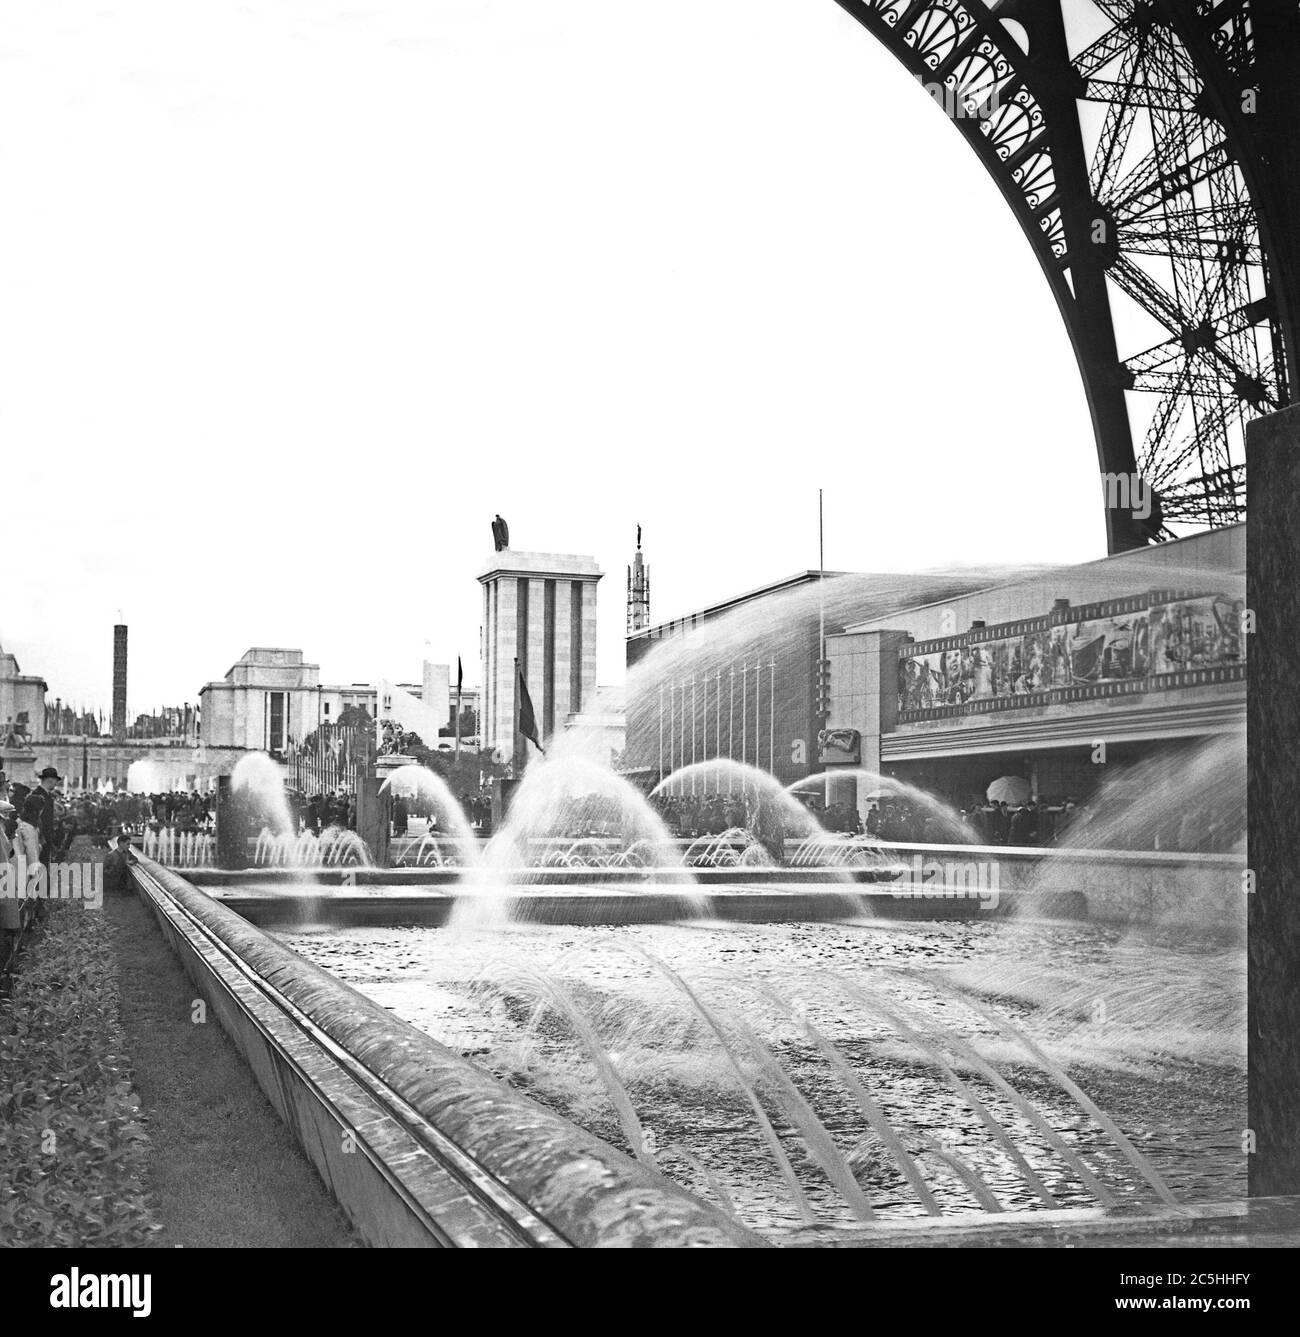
1023,824
37,827
32,822
1036,822
1206,828
66,814
321,811
102,815
983,822
693,815
56,818
477,810
690,816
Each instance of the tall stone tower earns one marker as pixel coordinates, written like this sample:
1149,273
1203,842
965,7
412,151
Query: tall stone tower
119,682
539,608
638,591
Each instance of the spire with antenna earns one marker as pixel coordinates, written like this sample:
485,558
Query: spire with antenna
638,591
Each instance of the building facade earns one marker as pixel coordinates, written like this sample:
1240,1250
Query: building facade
22,702
268,698
539,613
1052,678
1143,653
737,681
99,763
272,698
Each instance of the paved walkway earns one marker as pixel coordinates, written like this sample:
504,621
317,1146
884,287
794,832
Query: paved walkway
224,1169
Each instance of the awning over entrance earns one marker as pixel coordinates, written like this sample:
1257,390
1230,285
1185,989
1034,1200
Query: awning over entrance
1147,724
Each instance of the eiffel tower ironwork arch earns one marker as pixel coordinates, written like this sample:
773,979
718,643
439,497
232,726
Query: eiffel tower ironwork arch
1150,150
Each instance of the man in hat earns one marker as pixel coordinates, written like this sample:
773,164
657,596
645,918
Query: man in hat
49,779
7,815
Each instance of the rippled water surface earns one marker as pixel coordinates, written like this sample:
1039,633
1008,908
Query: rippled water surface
754,1064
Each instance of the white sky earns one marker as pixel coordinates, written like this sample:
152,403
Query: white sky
295,296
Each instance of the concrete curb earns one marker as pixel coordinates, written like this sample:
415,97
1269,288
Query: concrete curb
420,1147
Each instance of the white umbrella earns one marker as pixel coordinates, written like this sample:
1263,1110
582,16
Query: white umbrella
1009,789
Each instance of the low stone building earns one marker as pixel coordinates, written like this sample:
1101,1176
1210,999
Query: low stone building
22,703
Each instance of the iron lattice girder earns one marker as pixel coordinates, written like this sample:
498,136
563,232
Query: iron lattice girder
1212,336
1184,378
1229,480
1228,241
1208,334
1160,211
1147,187
1113,90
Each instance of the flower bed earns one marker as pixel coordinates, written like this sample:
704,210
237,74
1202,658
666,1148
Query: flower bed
71,1140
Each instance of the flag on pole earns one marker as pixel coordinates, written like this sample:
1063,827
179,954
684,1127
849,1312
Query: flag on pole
460,679
527,719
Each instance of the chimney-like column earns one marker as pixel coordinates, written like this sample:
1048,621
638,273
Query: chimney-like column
119,682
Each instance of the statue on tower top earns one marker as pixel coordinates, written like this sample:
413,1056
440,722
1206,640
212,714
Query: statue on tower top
500,534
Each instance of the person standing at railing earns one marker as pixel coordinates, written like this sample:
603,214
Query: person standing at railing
117,876
1018,830
999,824
46,813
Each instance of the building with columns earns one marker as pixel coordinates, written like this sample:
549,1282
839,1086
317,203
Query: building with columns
266,699
538,608
273,698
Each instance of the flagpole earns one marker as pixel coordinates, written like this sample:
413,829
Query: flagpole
661,733
717,741
731,714
771,719
517,741
459,675
821,579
